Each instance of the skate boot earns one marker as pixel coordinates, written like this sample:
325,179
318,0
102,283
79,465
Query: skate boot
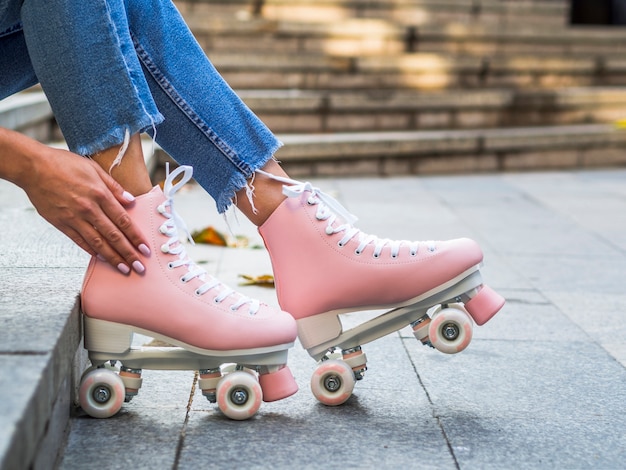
238,345
325,267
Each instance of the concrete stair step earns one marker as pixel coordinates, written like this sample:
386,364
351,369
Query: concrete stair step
29,113
416,71
372,36
447,151
40,334
424,152
292,111
414,12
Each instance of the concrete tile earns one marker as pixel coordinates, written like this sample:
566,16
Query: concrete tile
145,432
600,316
534,403
147,440
600,275
590,199
387,422
536,442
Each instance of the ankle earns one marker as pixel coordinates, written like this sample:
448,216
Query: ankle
126,164
262,195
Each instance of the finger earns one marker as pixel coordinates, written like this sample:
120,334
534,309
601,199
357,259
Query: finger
104,251
78,239
110,243
123,222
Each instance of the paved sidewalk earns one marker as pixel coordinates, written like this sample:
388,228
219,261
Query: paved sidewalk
543,385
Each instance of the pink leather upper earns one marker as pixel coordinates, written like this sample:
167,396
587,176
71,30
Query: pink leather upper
158,301
313,274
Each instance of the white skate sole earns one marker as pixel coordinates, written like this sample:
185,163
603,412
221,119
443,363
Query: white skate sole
238,380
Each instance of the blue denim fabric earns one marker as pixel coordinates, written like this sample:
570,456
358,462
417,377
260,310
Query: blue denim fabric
111,66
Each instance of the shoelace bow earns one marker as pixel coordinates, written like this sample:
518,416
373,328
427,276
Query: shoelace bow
174,246
330,210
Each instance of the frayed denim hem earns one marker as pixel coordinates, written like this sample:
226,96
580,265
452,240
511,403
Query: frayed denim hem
116,136
239,181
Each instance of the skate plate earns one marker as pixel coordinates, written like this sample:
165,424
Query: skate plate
438,317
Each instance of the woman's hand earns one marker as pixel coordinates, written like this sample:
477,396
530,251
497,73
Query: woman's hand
79,198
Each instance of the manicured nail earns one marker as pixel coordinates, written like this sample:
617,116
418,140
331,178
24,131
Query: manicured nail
138,267
129,197
100,257
144,249
123,268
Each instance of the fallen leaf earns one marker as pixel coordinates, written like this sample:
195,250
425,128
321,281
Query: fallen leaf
264,280
210,236
621,123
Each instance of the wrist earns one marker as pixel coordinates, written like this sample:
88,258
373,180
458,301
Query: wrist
18,157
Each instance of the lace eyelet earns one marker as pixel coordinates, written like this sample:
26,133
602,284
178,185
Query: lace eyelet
414,253
170,265
232,308
340,245
376,255
216,300
197,293
358,252
394,256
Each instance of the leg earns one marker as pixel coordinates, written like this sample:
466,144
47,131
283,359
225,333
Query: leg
265,197
101,98
17,71
206,124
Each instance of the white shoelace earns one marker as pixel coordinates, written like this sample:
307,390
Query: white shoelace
173,245
330,210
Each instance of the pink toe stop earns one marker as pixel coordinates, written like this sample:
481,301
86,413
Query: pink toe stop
278,385
484,305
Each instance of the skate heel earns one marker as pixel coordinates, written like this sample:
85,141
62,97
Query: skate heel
278,385
105,336
484,305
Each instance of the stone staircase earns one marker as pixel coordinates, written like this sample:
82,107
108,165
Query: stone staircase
420,86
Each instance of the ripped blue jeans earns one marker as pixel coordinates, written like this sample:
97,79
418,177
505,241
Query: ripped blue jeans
109,67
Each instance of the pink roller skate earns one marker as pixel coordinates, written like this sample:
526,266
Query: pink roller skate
238,345
324,267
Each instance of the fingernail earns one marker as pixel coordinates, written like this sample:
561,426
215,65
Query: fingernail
123,268
129,197
138,267
100,257
144,249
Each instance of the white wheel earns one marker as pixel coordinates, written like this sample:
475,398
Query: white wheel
332,382
239,395
87,370
101,393
450,330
